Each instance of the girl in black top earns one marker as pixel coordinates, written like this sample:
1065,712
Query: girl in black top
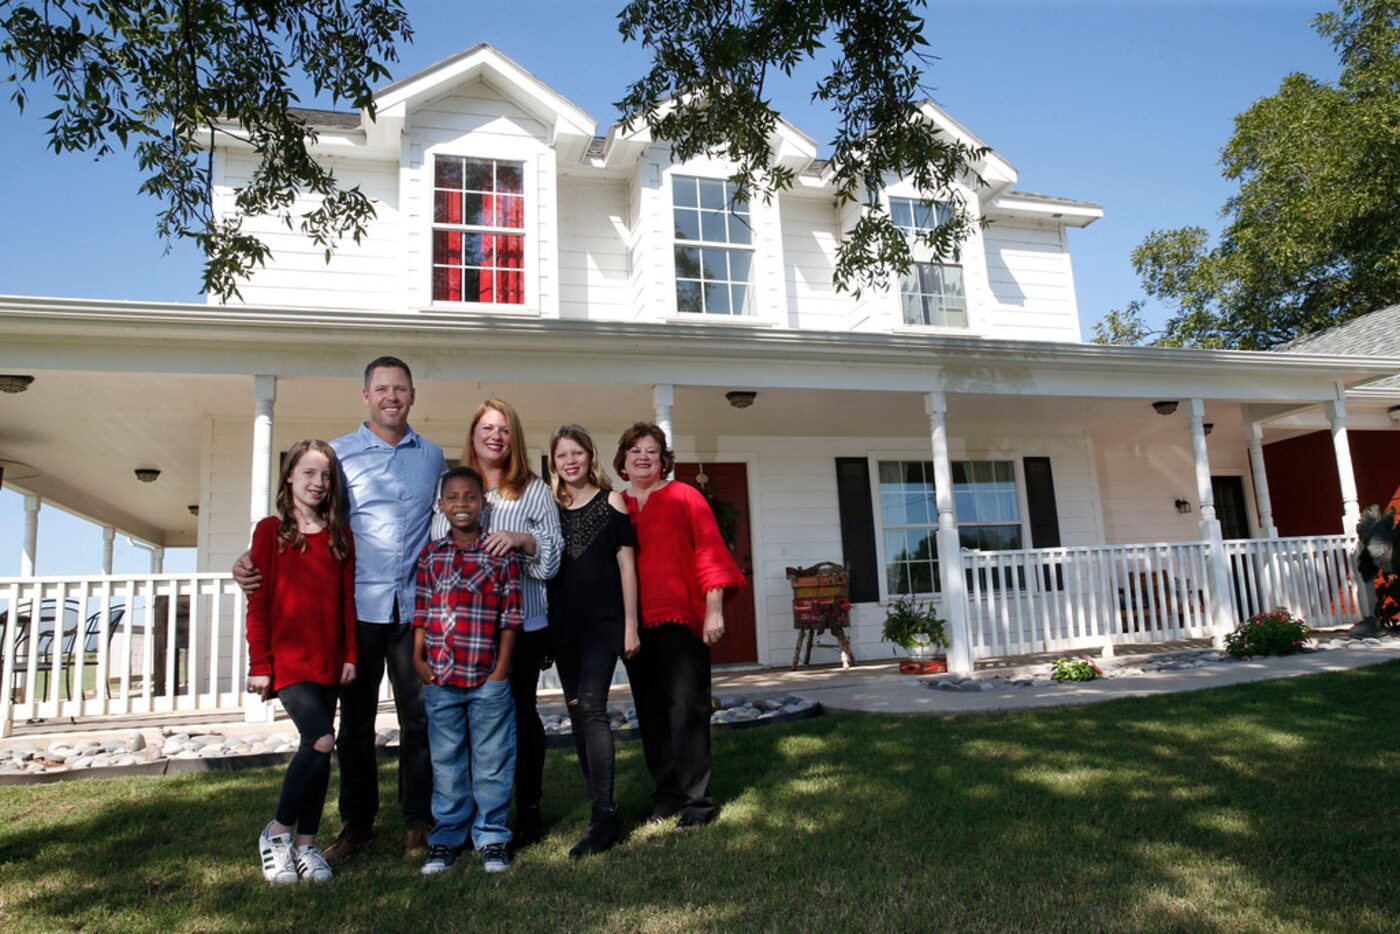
592,616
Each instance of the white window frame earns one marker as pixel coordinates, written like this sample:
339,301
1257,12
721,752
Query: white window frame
530,279
916,275
677,242
874,459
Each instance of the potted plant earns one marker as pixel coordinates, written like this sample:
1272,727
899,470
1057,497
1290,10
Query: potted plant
919,630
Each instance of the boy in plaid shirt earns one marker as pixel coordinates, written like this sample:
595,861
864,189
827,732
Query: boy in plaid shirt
466,616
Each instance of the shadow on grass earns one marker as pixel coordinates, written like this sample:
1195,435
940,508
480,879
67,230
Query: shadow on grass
1262,805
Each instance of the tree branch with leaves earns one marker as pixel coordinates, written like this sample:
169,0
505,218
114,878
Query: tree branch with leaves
165,77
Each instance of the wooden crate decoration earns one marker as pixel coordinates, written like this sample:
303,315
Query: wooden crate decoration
821,603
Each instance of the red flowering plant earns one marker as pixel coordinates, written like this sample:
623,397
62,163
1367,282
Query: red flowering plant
1075,669
1275,633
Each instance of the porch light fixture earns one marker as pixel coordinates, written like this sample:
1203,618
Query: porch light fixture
1164,406
147,474
193,508
741,398
1207,427
1183,505
1394,413
13,383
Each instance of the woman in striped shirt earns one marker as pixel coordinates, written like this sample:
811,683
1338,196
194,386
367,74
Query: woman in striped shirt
521,516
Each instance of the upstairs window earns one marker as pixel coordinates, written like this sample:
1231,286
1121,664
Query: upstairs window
932,295
478,231
916,218
714,247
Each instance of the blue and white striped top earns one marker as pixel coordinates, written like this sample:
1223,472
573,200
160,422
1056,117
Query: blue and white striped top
535,513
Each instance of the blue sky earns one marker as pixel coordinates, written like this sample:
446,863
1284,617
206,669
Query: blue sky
1122,102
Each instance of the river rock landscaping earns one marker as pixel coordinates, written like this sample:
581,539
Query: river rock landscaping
1169,661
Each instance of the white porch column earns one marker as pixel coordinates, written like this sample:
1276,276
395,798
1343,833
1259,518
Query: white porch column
109,540
1337,417
264,401
157,559
255,709
950,566
30,550
1221,603
663,398
1254,438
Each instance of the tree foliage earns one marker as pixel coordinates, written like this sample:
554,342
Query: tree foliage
1125,326
163,77
705,92
1312,237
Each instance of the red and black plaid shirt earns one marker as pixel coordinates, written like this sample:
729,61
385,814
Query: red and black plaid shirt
464,598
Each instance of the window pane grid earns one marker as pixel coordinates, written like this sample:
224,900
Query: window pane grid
987,507
713,249
915,218
478,230
932,294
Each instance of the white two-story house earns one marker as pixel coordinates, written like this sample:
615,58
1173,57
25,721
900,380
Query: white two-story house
949,436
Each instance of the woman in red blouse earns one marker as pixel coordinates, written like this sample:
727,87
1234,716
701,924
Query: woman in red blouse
683,569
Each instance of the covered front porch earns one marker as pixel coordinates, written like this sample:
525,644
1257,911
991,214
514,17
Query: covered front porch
211,398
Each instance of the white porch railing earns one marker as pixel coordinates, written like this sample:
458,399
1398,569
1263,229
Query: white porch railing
141,643
1311,577
1067,599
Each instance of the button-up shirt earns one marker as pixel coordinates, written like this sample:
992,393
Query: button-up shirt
466,597
389,489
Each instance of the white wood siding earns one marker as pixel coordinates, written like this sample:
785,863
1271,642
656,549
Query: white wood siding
363,275
1140,483
595,269
1031,283
811,235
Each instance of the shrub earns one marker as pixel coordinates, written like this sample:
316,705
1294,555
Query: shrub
1074,669
1276,633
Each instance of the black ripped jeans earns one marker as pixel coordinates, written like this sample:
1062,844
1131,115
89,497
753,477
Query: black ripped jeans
312,709
585,672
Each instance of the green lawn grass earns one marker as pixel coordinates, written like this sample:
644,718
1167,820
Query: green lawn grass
1261,807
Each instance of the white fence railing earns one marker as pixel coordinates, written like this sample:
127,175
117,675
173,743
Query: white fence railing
1067,599
141,643
1310,577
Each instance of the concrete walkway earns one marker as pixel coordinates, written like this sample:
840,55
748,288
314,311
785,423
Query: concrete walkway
871,687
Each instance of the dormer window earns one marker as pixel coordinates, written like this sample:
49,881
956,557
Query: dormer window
478,231
932,293
714,247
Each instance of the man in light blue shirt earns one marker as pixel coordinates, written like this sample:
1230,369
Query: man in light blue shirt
390,474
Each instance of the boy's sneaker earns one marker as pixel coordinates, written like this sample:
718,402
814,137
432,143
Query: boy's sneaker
440,858
276,853
311,864
495,857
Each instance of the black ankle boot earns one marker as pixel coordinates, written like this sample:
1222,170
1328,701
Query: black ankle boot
604,830
529,826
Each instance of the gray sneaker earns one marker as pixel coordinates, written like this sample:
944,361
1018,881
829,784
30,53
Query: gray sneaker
495,857
275,850
440,859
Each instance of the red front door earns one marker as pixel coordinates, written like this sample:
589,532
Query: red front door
729,483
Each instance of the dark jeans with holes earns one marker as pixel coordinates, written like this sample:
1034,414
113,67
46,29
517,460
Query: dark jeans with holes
585,672
312,709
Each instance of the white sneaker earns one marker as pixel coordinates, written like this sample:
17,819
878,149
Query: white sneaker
276,853
311,864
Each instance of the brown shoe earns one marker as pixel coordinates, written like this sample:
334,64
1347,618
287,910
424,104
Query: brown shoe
416,840
348,842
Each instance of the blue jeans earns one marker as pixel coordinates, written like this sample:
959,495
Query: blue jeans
471,736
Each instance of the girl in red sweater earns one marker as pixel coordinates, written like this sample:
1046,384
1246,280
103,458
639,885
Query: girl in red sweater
301,644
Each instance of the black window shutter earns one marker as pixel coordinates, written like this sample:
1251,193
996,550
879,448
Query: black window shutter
1040,496
857,527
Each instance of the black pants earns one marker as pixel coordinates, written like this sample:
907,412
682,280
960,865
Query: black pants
384,645
671,688
585,671
312,709
530,650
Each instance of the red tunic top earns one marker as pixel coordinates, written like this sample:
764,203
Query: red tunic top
680,556
301,621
